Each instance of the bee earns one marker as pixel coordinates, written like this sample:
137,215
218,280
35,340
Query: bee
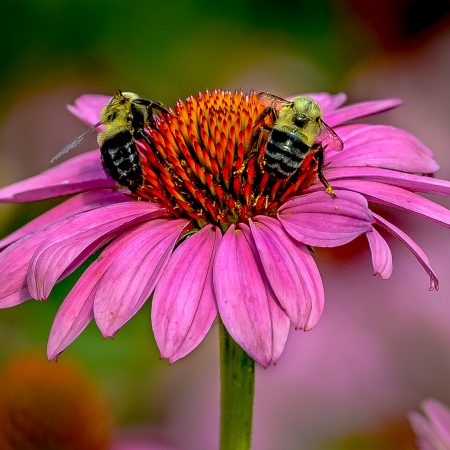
124,119
298,129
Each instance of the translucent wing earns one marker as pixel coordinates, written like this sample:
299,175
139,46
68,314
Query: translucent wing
75,143
329,139
271,100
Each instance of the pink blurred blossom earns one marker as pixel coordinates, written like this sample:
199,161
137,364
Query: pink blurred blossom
432,428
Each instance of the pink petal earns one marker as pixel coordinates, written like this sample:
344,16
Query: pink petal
244,302
16,298
328,102
427,435
398,198
427,438
291,271
358,110
184,307
76,311
74,239
382,146
75,205
318,219
280,325
280,321
139,259
408,181
413,247
381,254
14,261
439,416
87,107
81,173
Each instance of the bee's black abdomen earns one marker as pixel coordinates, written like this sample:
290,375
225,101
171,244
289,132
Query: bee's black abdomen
121,160
284,153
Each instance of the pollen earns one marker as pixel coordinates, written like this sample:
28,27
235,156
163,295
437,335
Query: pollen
203,161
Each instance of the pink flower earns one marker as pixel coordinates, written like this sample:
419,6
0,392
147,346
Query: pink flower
213,234
433,430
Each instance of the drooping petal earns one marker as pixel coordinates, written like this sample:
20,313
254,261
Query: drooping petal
242,297
280,321
413,247
14,261
291,271
408,181
75,205
381,254
15,298
318,219
87,107
81,173
397,198
358,110
76,311
280,325
184,306
382,146
139,259
76,238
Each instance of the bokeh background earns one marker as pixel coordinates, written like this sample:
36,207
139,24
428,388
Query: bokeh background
382,346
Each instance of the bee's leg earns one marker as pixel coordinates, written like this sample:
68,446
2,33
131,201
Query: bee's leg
258,127
270,110
159,106
256,138
154,105
319,158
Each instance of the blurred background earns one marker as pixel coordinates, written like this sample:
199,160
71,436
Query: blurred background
382,346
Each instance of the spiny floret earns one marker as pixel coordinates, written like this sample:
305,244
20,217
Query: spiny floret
203,163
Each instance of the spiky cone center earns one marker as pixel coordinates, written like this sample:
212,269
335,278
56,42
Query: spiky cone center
203,162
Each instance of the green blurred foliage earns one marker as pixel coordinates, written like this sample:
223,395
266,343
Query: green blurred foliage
171,48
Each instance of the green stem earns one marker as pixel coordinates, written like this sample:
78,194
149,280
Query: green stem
237,377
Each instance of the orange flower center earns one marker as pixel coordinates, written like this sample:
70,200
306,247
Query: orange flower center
204,162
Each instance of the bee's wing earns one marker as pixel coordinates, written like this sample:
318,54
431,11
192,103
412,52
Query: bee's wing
75,143
329,139
272,100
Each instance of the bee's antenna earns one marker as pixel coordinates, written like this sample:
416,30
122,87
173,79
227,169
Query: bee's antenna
75,143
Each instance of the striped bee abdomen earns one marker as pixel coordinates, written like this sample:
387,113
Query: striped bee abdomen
121,160
284,153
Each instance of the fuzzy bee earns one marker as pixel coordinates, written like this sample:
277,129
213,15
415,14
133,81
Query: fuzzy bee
124,119
298,129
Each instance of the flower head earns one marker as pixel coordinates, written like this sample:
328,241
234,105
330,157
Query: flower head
433,430
210,232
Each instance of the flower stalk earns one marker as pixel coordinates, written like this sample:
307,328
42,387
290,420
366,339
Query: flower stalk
237,377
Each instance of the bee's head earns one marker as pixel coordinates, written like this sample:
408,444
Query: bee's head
117,112
116,116
307,107
306,115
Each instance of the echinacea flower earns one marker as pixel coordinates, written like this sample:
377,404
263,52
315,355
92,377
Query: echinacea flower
210,232
432,429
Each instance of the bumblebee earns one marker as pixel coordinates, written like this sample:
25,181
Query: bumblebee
124,119
298,129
